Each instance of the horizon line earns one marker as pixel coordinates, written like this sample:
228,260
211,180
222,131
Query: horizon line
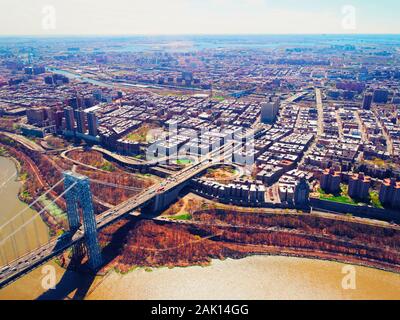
194,34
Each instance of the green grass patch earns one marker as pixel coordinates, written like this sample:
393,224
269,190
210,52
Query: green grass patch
135,137
3,152
60,233
375,200
25,195
183,161
23,176
184,216
344,198
107,166
52,208
218,98
340,198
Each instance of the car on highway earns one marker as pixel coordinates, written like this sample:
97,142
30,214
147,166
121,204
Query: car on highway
106,215
2,270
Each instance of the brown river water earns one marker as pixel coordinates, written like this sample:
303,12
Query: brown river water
259,277
34,234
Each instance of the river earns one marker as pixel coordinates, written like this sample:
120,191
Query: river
36,233
258,277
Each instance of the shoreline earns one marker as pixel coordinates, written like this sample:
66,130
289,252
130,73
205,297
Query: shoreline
238,243
256,255
18,168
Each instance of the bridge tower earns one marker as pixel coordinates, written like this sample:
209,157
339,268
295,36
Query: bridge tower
80,195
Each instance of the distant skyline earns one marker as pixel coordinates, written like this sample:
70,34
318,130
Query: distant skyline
191,17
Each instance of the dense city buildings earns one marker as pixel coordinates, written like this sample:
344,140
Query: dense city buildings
217,146
340,126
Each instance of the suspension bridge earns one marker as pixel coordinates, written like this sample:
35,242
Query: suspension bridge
78,196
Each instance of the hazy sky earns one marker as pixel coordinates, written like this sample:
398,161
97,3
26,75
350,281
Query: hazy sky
48,17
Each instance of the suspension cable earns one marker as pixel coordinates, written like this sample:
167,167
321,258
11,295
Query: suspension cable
30,205
8,180
116,185
37,214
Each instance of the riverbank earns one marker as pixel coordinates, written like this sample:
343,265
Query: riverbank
219,234
33,185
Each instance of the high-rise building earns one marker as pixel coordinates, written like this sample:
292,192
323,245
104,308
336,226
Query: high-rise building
367,101
187,76
269,111
69,118
381,96
80,116
330,181
389,194
98,94
92,124
359,185
36,116
302,193
55,118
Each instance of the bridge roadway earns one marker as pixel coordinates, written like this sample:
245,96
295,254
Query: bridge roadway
34,259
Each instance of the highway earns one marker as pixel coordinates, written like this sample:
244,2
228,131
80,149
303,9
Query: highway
320,108
31,145
16,269
25,264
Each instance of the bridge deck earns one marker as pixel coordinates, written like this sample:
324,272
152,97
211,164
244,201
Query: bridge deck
25,264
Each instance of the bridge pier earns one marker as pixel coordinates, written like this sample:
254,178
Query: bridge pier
81,194
163,200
